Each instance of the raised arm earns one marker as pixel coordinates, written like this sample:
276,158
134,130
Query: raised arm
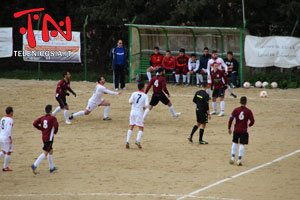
107,91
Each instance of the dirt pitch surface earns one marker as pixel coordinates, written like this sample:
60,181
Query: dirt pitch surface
94,164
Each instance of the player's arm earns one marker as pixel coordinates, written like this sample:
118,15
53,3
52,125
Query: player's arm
149,86
177,63
224,65
251,119
37,124
9,128
146,102
231,118
131,99
195,98
107,91
190,64
59,90
69,89
208,70
55,124
197,65
164,87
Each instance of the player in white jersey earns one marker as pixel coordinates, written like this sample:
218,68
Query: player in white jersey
139,102
221,66
193,66
5,137
97,100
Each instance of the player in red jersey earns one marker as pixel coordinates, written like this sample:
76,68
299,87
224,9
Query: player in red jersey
61,92
159,90
217,78
156,60
182,62
241,115
49,126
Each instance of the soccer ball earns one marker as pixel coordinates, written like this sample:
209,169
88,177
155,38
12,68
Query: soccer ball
246,85
274,85
265,84
258,84
263,94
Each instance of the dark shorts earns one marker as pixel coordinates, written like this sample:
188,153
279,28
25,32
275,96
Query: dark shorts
242,138
202,117
218,93
159,97
48,146
62,101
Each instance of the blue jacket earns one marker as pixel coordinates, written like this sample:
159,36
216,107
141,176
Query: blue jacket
113,56
203,61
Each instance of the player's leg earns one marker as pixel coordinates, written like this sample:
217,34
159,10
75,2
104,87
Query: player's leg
106,109
177,74
40,158
90,107
244,139
1,154
195,128
201,132
149,71
222,103
188,76
154,101
52,168
129,132
60,107
214,102
66,114
166,101
235,141
209,86
139,136
7,150
184,75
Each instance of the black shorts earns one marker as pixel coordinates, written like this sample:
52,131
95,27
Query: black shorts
242,138
202,117
48,146
62,101
159,97
218,93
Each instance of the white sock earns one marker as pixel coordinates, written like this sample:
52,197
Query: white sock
66,113
172,111
241,151
78,113
6,160
222,105
149,75
229,89
214,105
1,154
139,135
146,113
183,78
177,78
56,110
50,160
233,150
208,91
106,109
188,77
197,78
128,135
39,160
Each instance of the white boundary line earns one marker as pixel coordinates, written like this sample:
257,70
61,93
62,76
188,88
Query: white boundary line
237,175
113,194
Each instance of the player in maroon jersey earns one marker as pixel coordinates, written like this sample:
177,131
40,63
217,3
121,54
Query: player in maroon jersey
61,92
217,78
159,90
49,126
241,115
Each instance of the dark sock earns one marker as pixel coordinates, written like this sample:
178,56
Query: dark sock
201,134
194,130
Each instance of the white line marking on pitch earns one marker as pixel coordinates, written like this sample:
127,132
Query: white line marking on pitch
237,175
113,194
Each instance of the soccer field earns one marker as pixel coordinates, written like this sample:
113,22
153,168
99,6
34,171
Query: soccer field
94,164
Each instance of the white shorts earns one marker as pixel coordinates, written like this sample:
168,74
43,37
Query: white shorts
136,119
91,105
6,146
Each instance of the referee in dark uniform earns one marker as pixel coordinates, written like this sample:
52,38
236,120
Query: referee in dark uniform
201,99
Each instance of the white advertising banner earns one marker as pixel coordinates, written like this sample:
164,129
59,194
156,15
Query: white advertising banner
279,51
57,49
6,42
